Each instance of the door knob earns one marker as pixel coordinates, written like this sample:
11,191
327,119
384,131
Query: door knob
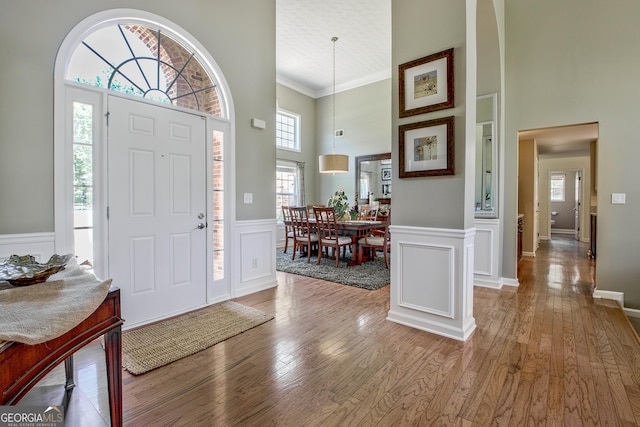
201,226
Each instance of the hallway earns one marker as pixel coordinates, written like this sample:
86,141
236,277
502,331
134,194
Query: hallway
563,262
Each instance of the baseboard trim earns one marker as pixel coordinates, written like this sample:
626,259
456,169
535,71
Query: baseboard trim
563,231
253,286
632,312
493,284
510,282
614,295
485,283
434,326
499,284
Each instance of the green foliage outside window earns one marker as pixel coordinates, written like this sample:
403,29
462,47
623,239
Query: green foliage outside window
82,155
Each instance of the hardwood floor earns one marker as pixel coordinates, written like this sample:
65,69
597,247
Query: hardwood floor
545,353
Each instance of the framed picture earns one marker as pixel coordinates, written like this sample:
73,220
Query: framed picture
386,189
426,148
426,84
386,174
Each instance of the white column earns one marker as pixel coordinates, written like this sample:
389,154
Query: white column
432,280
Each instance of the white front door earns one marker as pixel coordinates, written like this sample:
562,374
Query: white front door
157,201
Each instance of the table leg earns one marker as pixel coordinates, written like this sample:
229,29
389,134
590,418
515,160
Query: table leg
68,371
355,254
113,356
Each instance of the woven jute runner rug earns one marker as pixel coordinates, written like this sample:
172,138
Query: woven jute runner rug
158,344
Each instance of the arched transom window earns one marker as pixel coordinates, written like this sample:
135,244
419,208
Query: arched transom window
142,61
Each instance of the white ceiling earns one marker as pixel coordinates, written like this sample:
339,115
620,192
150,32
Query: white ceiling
304,51
566,140
304,58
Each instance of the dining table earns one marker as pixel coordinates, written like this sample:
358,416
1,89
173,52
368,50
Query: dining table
356,229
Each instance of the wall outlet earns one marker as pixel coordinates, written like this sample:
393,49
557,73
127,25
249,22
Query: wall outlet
254,263
248,198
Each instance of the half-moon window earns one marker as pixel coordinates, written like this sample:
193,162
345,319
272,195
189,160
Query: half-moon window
144,62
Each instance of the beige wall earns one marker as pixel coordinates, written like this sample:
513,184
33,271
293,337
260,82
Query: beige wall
364,114
558,57
527,194
295,102
489,72
242,44
420,29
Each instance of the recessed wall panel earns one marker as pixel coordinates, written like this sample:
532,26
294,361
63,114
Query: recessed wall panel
180,259
180,184
142,183
483,252
253,247
180,132
142,262
427,282
141,125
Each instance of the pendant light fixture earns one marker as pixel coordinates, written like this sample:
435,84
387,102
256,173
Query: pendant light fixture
334,163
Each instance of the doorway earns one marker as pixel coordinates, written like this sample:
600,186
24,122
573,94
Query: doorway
569,152
163,78
565,203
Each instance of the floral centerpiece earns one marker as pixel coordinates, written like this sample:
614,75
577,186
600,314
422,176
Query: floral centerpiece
340,204
353,213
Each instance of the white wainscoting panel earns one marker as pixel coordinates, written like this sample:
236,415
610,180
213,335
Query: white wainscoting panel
432,280
40,245
484,252
487,253
255,256
434,264
280,236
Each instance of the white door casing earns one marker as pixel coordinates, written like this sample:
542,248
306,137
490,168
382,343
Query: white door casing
157,184
578,204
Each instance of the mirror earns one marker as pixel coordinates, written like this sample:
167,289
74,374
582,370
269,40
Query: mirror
373,177
486,157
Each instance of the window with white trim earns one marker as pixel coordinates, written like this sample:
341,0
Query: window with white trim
287,130
557,186
143,61
286,186
83,194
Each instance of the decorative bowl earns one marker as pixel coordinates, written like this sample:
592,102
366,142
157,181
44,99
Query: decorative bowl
24,270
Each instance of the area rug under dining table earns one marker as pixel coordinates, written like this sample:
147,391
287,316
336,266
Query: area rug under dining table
370,275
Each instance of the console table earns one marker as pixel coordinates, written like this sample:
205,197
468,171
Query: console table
23,365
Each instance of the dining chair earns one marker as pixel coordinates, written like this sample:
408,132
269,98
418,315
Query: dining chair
367,212
310,210
302,236
377,240
328,236
288,227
